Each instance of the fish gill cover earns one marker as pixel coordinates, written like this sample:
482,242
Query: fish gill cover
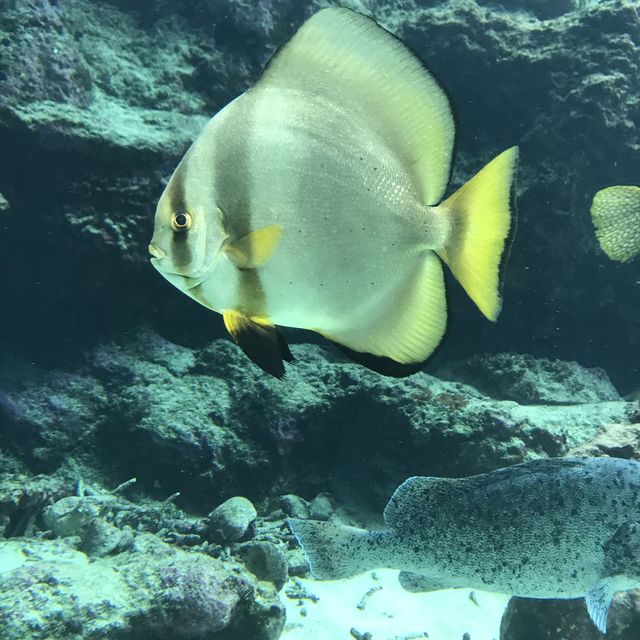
108,374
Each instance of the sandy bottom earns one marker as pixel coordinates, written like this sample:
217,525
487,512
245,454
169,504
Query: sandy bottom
389,613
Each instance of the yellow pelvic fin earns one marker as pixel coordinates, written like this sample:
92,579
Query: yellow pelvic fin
406,326
260,339
482,218
615,212
254,250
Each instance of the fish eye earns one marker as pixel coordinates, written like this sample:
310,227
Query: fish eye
181,221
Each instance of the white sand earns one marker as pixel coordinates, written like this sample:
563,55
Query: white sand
391,613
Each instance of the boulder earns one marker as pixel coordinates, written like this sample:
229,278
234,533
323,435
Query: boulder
152,591
231,521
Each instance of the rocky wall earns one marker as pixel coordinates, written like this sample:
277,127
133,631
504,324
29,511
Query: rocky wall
99,100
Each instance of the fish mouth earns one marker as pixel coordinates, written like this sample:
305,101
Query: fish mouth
156,252
180,280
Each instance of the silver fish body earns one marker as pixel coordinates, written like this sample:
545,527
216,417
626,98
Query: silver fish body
314,201
298,176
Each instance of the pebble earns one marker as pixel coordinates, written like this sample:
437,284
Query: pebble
266,561
297,562
295,506
321,507
360,636
231,521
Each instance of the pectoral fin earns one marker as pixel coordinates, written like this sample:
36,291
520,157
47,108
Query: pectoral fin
598,601
254,250
261,341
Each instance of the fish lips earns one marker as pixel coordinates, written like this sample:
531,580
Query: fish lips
179,280
156,252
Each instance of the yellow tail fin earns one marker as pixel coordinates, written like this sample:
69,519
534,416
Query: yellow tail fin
483,217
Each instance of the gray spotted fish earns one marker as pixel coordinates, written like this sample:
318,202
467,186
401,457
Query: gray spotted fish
553,528
315,200
615,213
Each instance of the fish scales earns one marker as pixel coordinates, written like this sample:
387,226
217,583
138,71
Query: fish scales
550,528
615,212
510,531
315,200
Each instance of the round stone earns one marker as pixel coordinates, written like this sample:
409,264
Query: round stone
231,521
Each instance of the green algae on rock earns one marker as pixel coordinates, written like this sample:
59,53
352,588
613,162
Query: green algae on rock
99,127
153,591
203,423
529,380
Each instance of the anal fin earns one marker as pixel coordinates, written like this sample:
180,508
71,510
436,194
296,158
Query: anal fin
261,341
405,326
380,364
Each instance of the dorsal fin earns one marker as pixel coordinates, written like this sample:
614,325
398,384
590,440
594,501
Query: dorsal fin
352,62
414,496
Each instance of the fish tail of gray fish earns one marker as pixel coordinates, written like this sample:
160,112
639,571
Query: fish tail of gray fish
337,551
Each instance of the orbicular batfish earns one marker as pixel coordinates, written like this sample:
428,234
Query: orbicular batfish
554,528
315,200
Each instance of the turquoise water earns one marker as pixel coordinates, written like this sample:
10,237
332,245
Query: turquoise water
129,415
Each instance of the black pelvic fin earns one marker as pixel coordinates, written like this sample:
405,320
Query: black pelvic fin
261,341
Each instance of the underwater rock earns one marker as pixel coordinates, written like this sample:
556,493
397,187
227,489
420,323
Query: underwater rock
152,591
266,561
539,619
295,506
82,517
22,498
297,563
529,380
321,507
231,521
38,28
207,424
543,9
45,421
615,440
